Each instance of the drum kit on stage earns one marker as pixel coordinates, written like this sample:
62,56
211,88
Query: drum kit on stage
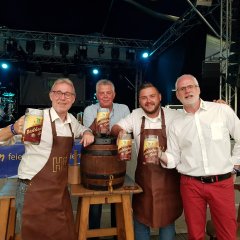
7,106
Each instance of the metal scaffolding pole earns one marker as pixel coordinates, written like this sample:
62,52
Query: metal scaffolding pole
227,91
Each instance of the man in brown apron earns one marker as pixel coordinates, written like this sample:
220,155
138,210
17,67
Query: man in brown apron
160,203
44,210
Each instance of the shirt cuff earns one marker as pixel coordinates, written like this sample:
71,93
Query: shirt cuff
235,160
170,162
87,130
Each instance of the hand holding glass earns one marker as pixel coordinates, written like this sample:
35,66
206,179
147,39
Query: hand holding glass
124,147
150,149
33,126
103,115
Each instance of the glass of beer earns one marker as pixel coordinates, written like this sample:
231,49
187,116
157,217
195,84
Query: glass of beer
32,126
150,149
103,115
125,147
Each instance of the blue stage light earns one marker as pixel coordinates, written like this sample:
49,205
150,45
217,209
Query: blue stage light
145,55
4,66
95,71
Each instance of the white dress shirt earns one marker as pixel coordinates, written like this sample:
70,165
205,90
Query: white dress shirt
36,156
132,123
199,144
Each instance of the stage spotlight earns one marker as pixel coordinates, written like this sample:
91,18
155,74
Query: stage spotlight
64,49
46,45
130,54
81,54
4,66
145,55
101,49
30,47
11,46
95,71
115,52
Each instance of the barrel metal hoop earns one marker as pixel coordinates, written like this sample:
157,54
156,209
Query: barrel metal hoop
105,140
103,176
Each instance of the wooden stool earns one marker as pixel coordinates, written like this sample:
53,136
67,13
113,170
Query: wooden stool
7,209
122,199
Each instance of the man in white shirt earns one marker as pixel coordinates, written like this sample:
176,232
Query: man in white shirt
199,147
159,205
42,201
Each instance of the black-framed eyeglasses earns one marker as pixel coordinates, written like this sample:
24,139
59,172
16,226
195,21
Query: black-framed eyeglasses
181,89
59,94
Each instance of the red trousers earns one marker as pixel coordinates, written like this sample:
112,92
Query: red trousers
221,200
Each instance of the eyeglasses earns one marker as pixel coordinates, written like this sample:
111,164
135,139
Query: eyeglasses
190,87
59,94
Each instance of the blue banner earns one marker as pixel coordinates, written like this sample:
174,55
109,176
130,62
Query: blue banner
10,156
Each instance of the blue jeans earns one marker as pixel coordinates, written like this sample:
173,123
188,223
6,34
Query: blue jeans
20,194
95,213
142,232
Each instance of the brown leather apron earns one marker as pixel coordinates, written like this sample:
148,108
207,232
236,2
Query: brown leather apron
160,202
47,211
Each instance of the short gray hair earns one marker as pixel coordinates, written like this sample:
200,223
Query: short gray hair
189,76
105,82
64,80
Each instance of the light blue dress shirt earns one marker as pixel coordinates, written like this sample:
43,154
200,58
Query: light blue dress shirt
118,112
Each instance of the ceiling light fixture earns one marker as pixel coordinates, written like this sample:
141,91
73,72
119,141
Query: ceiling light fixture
30,47
64,49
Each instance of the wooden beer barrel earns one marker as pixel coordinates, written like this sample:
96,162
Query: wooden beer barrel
100,167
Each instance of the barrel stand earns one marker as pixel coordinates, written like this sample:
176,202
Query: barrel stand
122,199
7,210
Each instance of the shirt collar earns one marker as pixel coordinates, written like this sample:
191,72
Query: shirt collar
203,106
152,119
55,116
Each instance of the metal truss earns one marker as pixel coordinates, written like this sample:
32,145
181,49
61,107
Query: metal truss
185,23
227,91
70,61
190,19
89,40
53,56
180,27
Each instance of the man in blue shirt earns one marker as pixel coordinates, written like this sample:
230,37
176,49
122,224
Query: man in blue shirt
105,92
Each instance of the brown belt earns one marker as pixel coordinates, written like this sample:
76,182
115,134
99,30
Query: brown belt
211,179
24,181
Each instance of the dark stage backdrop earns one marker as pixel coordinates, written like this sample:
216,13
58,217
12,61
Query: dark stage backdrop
34,90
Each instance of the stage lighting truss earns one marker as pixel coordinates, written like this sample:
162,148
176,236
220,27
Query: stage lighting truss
115,53
64,49
30,47
101,49
11,46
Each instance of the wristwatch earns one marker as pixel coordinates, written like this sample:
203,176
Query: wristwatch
236,171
